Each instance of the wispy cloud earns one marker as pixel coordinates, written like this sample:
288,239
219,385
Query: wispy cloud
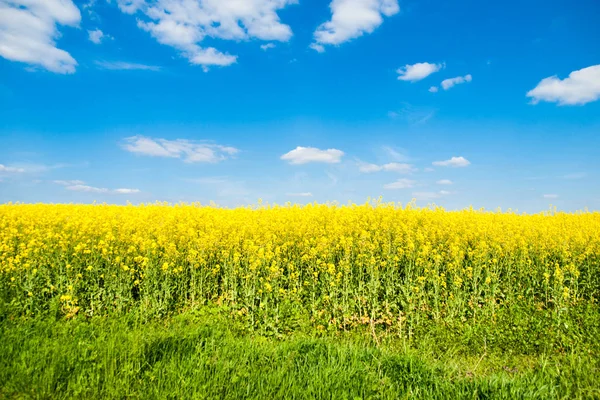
395,153
449,83
126,191
444,182
126,66
267,46
87,189
31,168
453,162
68,183
187,150
550,196
92,189
400,184
332,177
535,178
4,168
303,155
401,168
413,115
581,87
301,194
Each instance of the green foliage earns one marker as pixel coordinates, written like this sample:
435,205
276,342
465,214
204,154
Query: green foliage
203,355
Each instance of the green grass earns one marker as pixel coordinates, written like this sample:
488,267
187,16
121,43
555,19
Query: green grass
204,354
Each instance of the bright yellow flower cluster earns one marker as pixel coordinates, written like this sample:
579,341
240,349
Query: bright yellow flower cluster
338,265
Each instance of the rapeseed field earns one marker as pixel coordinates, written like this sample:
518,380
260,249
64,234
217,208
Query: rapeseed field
340,266
317,301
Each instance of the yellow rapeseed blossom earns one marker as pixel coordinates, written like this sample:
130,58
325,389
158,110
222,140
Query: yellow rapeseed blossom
336,263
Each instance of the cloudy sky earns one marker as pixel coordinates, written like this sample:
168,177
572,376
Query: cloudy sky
456,103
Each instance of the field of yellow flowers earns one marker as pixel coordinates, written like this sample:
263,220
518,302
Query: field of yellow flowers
339,266
316,301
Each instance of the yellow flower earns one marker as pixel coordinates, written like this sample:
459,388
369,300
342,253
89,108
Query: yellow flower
357,256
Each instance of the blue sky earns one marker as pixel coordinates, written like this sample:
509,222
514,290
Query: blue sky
453,103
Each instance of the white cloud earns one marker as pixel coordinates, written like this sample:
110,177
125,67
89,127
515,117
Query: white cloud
444,182
448,83
445,192
95,36
120,65
89,5
395,154
87,189
550,196
69,183
389,167
36,169
130,6
368,168
319,48
184,24
351,19
428,169
4,168
398,167
433,89
302,194
413,115
400,184
81,187
267,46
581,87
126,191
418,71
189,151
28,32
453,162
303,155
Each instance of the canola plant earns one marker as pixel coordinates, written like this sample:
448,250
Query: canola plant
338,266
